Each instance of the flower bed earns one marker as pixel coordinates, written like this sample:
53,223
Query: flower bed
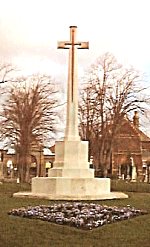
81,215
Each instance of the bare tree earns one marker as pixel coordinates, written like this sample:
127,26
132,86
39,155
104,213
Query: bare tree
110,93
29,115
6,70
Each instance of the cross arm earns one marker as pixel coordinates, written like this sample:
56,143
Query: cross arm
62,44
65,44
83,45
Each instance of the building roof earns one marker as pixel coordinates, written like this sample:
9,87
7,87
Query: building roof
143,136
47,151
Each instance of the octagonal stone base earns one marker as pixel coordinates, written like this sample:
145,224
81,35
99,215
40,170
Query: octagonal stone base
71,178
71,189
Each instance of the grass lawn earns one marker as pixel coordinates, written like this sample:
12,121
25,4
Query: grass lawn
23,232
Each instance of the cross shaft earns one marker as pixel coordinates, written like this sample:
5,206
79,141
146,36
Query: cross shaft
72,97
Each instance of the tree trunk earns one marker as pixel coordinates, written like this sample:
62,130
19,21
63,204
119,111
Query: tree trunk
28,164
24,167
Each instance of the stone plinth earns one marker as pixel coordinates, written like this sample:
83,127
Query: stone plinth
71,187
71,178
71,160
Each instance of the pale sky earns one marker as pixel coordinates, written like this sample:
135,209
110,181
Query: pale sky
30,29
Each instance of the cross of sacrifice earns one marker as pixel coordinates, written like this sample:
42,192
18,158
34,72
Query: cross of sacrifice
71,45
72,95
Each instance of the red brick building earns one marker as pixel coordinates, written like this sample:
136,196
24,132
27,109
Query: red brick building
131,150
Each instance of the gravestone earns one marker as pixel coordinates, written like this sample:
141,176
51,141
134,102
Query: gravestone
134,172
71,178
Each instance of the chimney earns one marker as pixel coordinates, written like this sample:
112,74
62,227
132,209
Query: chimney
136,119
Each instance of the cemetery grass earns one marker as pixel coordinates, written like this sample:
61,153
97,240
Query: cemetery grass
23,232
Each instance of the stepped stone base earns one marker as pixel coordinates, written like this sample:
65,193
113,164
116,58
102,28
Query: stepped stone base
71,186
71,178
71,189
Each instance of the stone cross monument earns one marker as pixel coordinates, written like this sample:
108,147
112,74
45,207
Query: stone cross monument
71,155
71,178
